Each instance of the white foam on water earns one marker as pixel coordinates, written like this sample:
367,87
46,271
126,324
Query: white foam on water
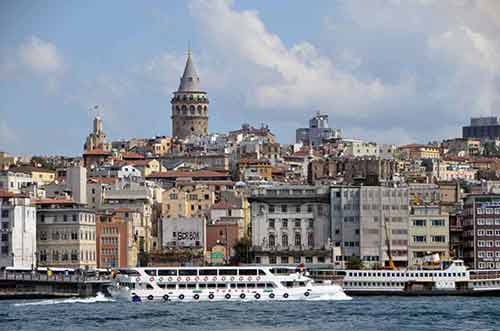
98,298
332,297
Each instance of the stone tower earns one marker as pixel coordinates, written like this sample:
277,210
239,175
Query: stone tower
189,105
97,138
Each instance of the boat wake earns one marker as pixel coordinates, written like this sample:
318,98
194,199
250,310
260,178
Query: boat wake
98,298
332,297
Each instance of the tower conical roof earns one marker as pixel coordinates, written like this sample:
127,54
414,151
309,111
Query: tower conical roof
190,78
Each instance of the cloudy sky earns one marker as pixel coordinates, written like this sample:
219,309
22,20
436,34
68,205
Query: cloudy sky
393,71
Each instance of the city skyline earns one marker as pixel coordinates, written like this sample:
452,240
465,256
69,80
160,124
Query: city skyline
375,69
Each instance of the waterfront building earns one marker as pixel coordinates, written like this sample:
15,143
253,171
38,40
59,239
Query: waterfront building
290,224
66,234
18,247
318,131
428,234
189,105
365,219
481,231
483,128
115,242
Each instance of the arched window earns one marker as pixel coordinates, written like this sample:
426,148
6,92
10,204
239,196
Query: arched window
298,239
199,110
310,239
205,108
191,109
272,240
284,240
55,256
184,109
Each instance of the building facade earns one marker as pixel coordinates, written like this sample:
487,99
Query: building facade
66,234
291,224
483,128
189,105
17,231
428,234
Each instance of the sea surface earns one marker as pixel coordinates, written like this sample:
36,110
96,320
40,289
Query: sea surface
360,313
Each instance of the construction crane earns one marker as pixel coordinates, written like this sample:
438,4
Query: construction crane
388,244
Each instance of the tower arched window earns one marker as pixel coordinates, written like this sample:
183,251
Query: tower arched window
191,97
191,109
298,239
184,98
205,108
184,109
199,110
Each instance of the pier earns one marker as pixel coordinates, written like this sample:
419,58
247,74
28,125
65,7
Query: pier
31,285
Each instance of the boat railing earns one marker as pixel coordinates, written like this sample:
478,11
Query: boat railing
37,276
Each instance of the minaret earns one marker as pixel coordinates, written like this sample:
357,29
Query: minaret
189,105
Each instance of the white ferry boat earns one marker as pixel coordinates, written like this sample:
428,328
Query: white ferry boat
219,283
451,278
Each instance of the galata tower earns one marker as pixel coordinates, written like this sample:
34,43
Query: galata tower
189,105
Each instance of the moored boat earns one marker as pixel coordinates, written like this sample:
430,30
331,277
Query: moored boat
219,283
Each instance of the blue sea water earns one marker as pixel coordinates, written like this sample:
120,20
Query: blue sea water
360,313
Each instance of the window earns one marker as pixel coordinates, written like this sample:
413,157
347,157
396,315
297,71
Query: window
271,223
298,239
297,209
272,242
228,272
419,222
188,272
297,223
284,223
5,213
167,272
438,223
439,239
310,239
284,208
284,240
419,239
5,237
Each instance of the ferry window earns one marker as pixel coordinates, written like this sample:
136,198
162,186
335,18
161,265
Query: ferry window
188,272
211,285
150,272
221,285
248,272
161,285
228,272
203,285
208,272
250,285
149,286
270,285
129,272
182,286
239,285
302,284
171,286
261,285
167,272
262,272
233,285
287,284
191,285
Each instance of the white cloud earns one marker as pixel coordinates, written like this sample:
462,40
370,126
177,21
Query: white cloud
40,56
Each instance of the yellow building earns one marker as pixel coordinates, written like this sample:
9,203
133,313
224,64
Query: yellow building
255,170
146,167
187,201
418,151
41,176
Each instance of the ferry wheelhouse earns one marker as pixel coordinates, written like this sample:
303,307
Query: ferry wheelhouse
219,283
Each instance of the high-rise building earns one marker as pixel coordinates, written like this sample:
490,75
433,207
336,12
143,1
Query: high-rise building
483,128
189,105
317,132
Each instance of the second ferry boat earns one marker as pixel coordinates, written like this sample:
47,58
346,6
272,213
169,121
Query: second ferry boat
220,283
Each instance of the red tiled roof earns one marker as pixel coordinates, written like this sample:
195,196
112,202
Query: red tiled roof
103,180
53,201
175,174
138,162
96,152
131,155
5,194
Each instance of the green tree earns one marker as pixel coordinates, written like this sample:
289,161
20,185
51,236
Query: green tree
243,252
355,263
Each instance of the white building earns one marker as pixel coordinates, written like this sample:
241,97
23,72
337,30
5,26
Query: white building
359,148
17,232
14,181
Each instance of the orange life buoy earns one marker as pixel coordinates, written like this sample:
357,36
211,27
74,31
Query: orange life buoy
197,278
249,277
151,279
138,279
258,278
160,279
169,279
232,278
206,278
223,278
179,279
215,278
188,279
241,278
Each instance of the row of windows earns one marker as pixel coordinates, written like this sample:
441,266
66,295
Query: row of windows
66,256
374,284
109,240
487,221
297,241
488,243
65,235
421,274
434,239
204,272
485,254
296,259
297,208
202,286
86,218
437,222
297,222
488,232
